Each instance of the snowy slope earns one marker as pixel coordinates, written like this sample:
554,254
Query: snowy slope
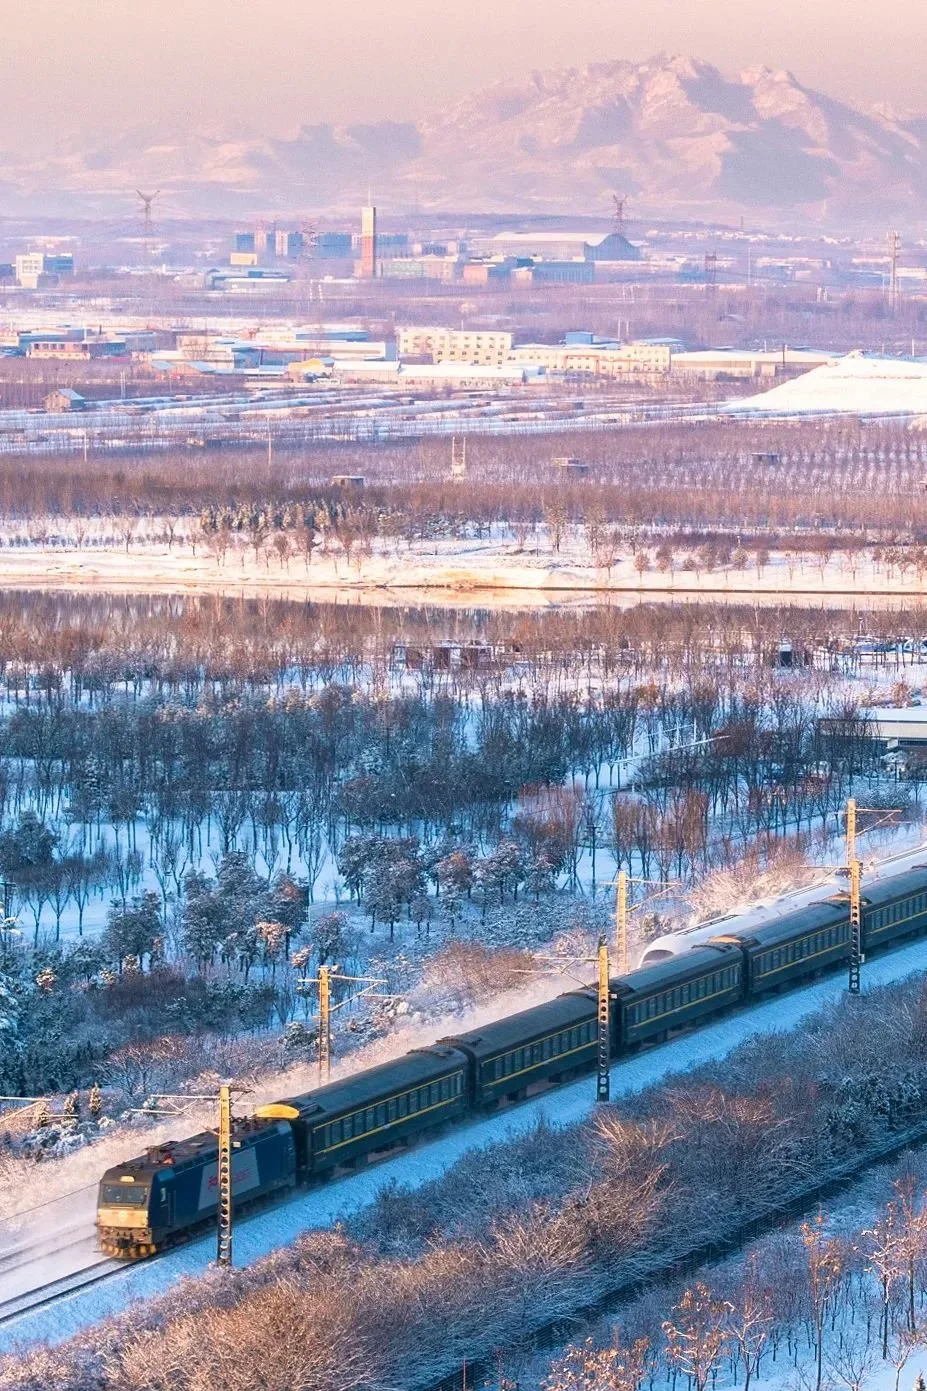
858,384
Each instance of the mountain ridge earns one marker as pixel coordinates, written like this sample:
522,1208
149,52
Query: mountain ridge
674,132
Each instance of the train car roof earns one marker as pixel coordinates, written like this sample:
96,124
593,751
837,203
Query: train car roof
368,1086
879,891
673,970
576,1006
178,1154
796,924
749,918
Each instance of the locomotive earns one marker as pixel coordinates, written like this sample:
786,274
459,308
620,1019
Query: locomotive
148,1204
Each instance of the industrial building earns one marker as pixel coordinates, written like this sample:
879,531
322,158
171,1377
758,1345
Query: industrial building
490,347
555,273
37,270
584,355
719,364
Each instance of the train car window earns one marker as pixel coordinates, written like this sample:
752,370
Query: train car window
124,1194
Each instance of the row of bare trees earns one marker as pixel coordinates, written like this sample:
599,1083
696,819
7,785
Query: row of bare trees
771,479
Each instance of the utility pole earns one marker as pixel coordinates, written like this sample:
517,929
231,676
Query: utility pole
856,916
592,833
604,1051
325,1025
224,1176
856,934
894,243
621,923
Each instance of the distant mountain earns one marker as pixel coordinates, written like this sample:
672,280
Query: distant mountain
673,132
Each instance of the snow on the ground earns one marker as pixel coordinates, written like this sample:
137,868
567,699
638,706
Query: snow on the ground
263,1232
858,384
499,565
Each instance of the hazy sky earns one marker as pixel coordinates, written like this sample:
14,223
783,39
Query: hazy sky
67,64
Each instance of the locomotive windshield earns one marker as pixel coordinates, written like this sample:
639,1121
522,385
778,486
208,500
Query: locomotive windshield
123,1195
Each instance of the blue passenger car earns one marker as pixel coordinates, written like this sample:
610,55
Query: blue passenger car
673,994
545,1044
345,1121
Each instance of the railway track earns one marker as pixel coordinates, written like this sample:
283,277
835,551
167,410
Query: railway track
27,1252
56,1290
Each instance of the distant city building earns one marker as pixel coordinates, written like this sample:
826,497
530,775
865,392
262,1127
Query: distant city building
244,241
488,348
487,272
334,246
368,244
288,246
585,355
30,271
60,263
37,270
444,268
555,273
391,244
744,363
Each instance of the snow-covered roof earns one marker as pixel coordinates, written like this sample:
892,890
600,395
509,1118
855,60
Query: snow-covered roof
858,384
552,238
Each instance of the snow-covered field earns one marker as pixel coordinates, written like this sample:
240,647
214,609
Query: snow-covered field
263,1232
500,569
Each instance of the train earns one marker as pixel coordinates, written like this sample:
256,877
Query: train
170,1192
